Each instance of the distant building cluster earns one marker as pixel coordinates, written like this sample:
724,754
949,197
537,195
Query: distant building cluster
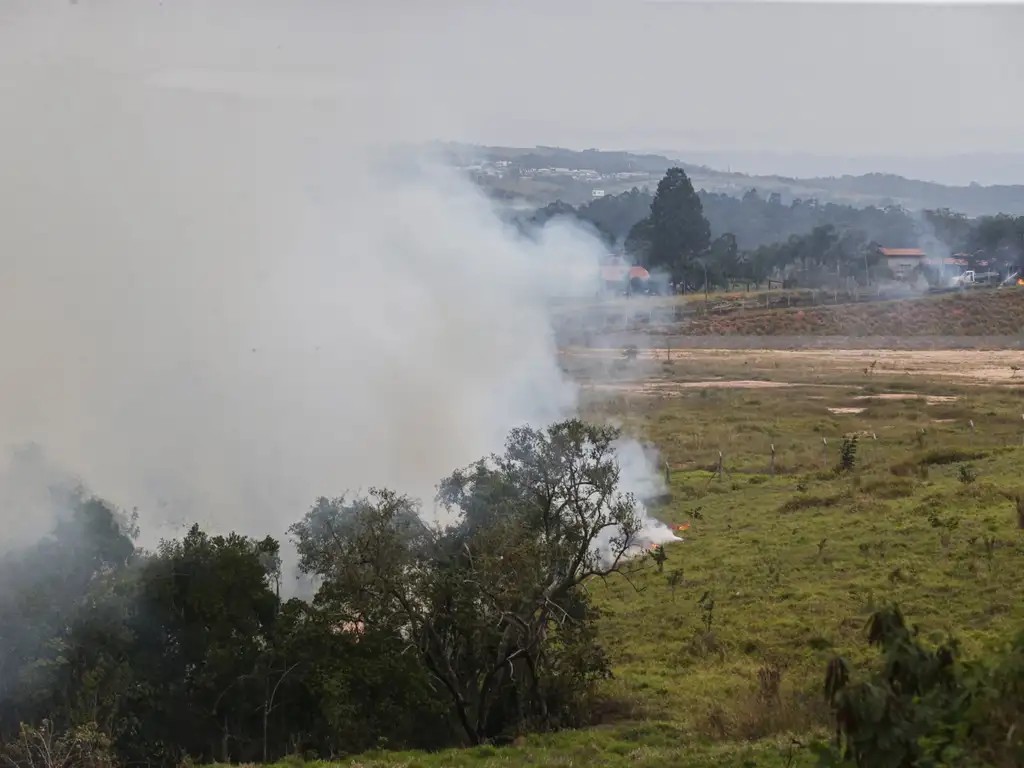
503,168
907,263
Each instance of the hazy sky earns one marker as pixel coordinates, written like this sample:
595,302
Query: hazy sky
218,305
815,77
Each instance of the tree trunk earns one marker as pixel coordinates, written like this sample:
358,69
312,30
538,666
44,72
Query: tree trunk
538,699
225,737
493,679
266,715
447,679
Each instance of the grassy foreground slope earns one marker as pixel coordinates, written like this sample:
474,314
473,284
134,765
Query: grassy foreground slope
795,561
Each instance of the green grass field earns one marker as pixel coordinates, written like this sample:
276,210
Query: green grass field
795,561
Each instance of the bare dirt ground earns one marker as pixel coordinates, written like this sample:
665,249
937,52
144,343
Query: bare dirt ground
667,387
759,367
983,366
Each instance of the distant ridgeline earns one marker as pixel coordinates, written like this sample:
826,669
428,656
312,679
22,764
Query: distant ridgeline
541,175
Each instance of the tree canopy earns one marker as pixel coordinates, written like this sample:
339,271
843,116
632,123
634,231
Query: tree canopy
418,635
675,234
482,599
754,237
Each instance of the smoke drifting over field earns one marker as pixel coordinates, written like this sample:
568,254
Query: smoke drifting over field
223,297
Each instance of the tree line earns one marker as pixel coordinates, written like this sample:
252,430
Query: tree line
699,237
419,636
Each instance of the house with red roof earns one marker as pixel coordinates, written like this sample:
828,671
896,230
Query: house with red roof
903,261
619,276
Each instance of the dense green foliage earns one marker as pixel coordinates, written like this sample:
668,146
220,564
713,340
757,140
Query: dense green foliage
675,235
925,707
418,636
753,237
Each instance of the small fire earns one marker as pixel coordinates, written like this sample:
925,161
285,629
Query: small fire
1020,281
681,527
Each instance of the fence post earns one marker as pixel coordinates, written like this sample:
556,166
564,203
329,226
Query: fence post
720,465
771,465
824,451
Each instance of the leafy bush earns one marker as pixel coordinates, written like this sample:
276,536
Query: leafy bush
925,707
966,474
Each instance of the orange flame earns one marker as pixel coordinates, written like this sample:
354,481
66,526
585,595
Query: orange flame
681,527
1020,281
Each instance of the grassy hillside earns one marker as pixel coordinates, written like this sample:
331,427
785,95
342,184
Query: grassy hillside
794,561
977,313
981,313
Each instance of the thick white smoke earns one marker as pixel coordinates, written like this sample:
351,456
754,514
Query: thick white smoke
33,493
222,301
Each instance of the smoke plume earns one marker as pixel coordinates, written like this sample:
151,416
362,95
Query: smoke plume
224,295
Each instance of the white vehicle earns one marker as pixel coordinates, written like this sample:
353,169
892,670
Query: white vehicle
966,278
970,277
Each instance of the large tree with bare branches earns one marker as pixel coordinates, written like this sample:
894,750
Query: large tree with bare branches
492,602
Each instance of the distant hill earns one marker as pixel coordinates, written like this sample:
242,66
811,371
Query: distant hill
540,175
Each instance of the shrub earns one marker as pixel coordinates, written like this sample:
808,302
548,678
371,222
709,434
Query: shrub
848,454
925,706
966,474
41,747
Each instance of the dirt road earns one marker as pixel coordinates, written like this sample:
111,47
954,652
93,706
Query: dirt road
1004,367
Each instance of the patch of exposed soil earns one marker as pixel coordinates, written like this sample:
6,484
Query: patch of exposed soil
928,399
965,365
670,387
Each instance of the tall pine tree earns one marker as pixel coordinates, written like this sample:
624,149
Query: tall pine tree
675,233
